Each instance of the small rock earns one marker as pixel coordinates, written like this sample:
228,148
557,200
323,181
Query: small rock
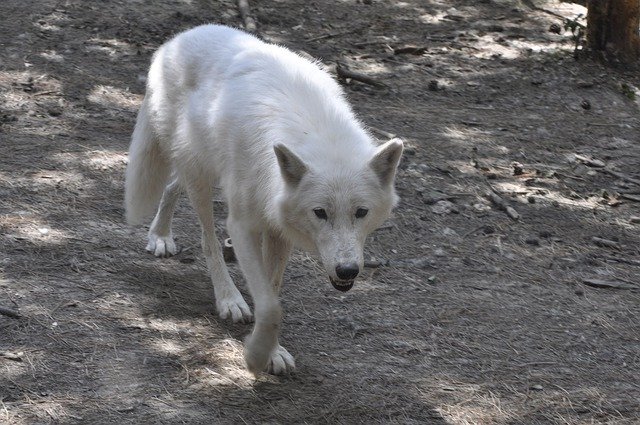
488,229
532,240
585,84
586,105
447,231
545,234
439,252
531,199
444,207
481,207
634,219
536,387
518,169
555,28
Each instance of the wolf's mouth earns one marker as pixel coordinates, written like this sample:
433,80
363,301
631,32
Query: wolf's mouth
342,285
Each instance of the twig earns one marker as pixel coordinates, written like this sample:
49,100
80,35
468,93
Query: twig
605,243
374,264
245,14
501,204
599,283
620,175
9,312
531,5
412,50
16,357
472,231
590,161
382,133
332,34
343,73
623,260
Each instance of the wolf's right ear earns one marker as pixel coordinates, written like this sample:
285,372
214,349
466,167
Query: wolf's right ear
291,167
385,161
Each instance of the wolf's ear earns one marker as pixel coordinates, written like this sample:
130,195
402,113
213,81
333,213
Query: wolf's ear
386,159
291,167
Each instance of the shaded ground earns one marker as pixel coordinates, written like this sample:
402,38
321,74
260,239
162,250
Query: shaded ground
473,318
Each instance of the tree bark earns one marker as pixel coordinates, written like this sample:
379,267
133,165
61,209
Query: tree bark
612,28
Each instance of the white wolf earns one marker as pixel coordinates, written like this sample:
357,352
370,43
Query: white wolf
295,166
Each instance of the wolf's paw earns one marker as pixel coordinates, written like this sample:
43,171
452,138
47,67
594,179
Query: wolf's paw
278,362
235,307
161,246
281,362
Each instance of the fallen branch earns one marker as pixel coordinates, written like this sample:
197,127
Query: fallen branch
332,34
590,161
634,198
9,312
374,264
605,243
502,205
411,50
612,284
343,73
245,14
620,175
382,133
16,357
623,260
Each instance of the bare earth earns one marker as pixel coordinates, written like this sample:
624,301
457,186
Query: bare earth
473,317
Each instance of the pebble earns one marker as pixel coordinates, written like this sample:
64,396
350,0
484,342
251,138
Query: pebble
531,240
444,207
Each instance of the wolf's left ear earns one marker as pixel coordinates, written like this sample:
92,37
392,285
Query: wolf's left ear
386,159
291,167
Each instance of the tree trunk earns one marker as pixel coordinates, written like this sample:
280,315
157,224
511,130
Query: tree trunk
612,28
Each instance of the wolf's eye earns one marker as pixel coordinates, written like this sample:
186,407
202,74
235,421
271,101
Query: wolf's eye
361,212
320,213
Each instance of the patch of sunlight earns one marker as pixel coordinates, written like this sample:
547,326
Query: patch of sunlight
520,187
24,225
105,160
111,47
466,135
227,366
29,82
168,346
487,47
428,18
467,403
114,98
52,56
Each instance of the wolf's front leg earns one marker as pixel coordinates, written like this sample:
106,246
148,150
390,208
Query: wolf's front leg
262,350
229,301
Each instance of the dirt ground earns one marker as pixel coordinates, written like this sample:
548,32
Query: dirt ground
472,317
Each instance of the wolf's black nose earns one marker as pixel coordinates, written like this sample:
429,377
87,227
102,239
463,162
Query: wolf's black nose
347,271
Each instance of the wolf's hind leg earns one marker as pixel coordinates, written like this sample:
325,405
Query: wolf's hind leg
229,301
160,238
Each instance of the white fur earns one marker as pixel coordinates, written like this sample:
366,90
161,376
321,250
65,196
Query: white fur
274,131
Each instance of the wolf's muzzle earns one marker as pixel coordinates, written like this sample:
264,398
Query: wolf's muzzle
342,285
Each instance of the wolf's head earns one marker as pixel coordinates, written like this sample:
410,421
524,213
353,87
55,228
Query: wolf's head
331,209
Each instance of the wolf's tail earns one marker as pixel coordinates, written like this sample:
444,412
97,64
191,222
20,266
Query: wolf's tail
147,172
